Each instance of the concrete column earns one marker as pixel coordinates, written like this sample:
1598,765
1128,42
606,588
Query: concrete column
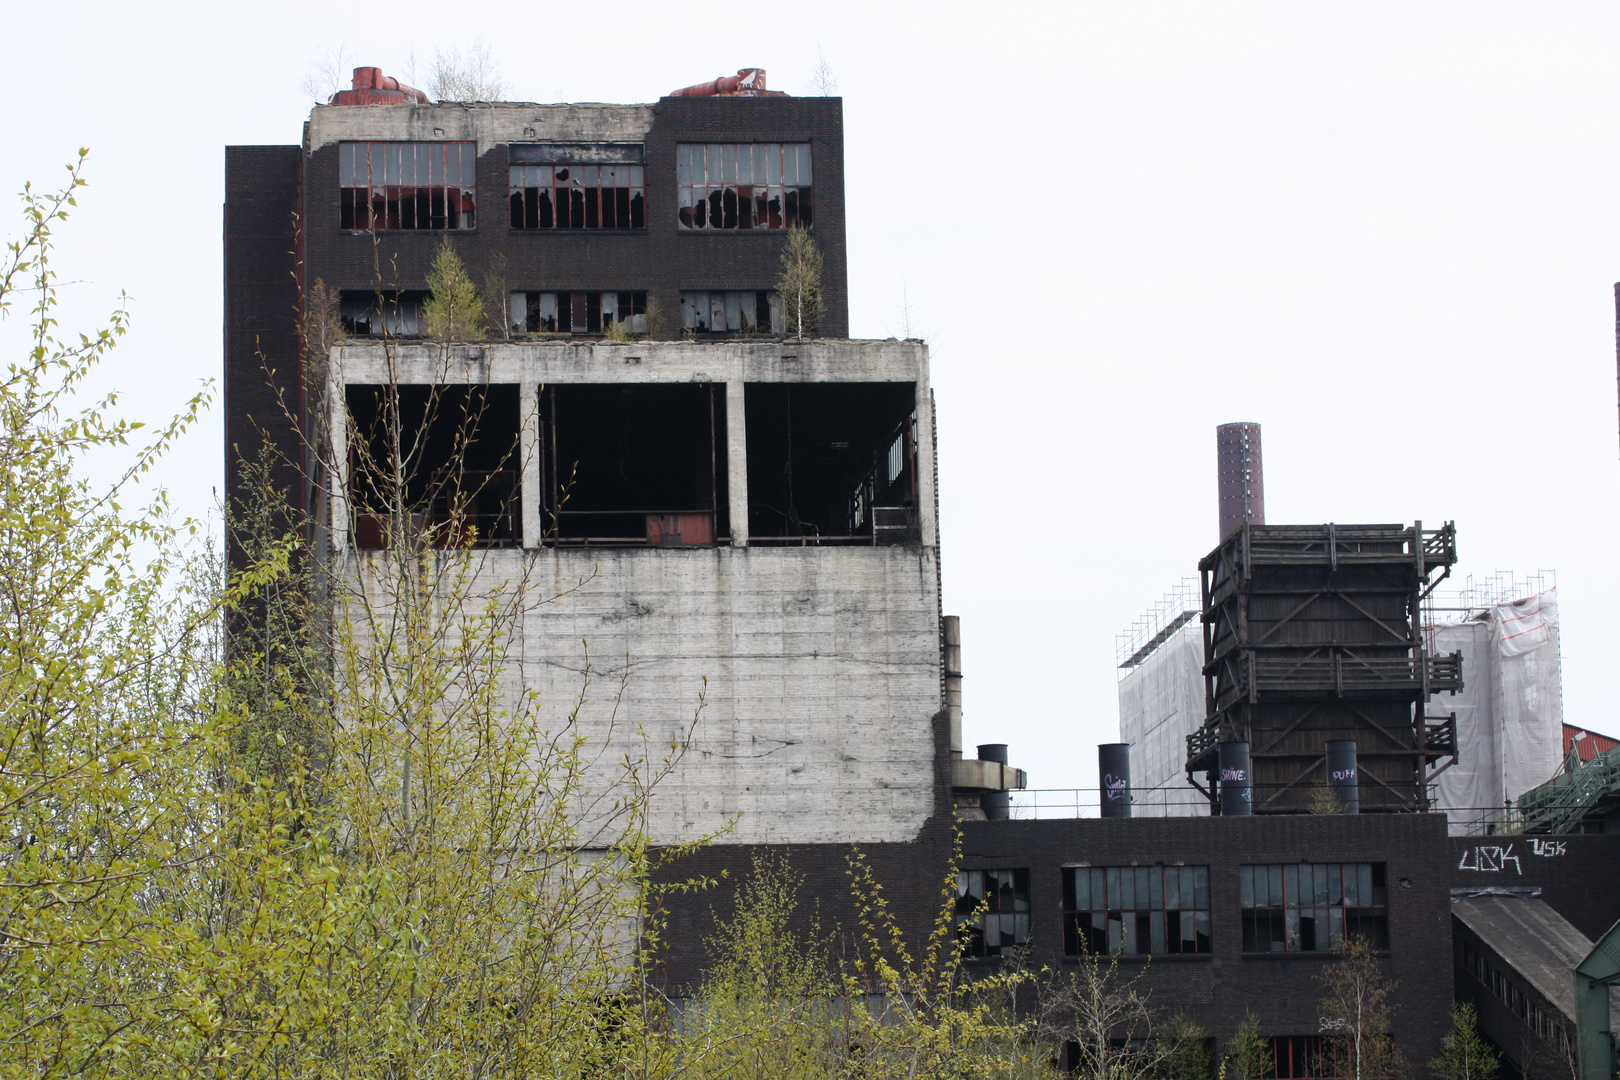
337,477
529,419
737,463
928,524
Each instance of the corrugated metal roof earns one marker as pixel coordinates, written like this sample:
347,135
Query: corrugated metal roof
1537,942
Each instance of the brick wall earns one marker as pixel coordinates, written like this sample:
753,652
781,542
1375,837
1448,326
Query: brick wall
1217,989
912,876
660,259
261,297
1579,876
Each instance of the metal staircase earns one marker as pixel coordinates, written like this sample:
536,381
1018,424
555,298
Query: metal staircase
1562,803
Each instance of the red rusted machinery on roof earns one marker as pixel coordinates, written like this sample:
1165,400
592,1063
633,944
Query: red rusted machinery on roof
372,87
748,82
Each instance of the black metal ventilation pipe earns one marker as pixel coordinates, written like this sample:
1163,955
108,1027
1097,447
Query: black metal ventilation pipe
1237,793
997,805
1341,768
1114,774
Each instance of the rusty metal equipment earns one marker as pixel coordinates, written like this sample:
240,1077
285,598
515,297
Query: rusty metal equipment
372,87
1312,634
748,82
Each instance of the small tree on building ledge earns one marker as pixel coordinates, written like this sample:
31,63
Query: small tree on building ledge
800,283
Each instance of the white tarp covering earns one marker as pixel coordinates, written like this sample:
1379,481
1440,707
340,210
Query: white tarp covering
1161,702
1510,714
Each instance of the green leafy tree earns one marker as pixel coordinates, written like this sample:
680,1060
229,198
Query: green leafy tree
1464,1054
453,311
343,848
105,641
799,284
1187,1052
1247,1055
1356,1005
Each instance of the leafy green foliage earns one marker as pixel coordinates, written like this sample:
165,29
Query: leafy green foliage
1356,1004
799,283
453,311
1464,1054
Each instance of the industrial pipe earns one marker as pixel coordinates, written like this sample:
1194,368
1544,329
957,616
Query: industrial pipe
745,79
371,78
951,631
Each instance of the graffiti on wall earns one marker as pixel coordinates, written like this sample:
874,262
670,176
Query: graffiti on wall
1495,858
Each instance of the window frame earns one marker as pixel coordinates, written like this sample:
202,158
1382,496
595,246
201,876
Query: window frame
1283,911
1116,932
616,169
976,915
775,196
449,195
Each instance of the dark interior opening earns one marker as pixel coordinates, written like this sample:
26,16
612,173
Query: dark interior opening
374,313
458,481
635,463
832,463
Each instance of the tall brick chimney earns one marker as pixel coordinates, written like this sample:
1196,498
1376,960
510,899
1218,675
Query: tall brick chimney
1237,464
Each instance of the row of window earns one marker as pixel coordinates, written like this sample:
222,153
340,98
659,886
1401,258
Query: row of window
734,311
1289,1057
1518,1002
574,186
1164,910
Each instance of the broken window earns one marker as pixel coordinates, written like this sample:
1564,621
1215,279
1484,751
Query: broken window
732,312
407,185
992,911
577,186
1136,910
373,313
634,464
1307,1057
743,185
831,463
578,312
1313,907
455,479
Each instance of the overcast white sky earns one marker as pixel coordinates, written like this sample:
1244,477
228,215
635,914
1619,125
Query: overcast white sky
1386,232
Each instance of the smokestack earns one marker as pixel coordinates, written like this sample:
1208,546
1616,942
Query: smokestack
1237,466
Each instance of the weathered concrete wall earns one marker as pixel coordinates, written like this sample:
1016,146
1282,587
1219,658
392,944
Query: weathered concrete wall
489,124
818,667
817,670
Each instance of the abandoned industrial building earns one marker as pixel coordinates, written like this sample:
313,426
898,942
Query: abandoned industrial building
752,517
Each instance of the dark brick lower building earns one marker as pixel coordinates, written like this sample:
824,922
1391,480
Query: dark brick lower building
1194,904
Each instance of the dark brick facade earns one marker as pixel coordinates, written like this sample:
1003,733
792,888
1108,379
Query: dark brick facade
1218,988
912,877
1579,876
263,380
281,229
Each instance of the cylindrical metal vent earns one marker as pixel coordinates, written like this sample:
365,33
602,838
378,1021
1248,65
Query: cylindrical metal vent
997,805
1341,768
1237,797
1114,774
